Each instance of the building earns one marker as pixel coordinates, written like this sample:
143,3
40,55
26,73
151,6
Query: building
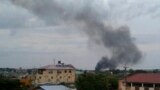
26,80
141,81
55,74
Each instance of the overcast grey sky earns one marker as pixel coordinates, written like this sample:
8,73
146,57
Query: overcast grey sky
34,32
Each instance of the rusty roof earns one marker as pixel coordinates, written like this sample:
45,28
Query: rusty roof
144,78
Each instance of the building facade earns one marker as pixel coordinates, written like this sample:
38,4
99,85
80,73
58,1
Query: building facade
55,74
141,81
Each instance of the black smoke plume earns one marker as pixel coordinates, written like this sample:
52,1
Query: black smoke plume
91,17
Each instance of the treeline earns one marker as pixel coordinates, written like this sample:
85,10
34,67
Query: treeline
92,81
10,84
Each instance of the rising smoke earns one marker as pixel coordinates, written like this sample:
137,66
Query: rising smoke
91,17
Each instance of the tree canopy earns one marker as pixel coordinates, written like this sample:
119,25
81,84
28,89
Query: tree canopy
90,81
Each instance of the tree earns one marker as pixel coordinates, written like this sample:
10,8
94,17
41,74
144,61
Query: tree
92,82
113,82
10,84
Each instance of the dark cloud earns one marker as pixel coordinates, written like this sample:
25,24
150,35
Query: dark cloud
91,14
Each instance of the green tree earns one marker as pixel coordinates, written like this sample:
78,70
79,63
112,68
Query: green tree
92,82
10,84
113,82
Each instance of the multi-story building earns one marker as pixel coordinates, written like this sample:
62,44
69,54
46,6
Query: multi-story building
55,74
141,81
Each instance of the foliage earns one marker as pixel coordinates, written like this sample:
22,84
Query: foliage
90,81
10,84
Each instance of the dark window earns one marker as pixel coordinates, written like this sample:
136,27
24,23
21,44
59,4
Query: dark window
40,71
157,85
148,85
51,77
129,84
70,71
137,84
58,71
50,72
65,71
60,77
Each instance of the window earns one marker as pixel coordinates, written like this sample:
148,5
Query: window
51,77
60,77
39,77
157,85
129,84
148,85
40,71
65,71
50,72
70,71
69,77
58,71
137,84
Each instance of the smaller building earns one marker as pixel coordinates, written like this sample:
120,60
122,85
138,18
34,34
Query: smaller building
26,80
55,74
141,81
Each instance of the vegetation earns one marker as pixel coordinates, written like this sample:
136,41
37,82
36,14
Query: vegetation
10,84
92,81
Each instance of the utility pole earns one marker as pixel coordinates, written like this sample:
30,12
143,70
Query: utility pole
125,76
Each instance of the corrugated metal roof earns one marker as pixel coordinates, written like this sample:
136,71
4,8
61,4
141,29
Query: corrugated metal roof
54,87
144,78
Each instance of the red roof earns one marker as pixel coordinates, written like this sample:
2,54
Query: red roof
144,78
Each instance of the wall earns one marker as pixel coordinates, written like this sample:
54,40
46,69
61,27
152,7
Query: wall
56,76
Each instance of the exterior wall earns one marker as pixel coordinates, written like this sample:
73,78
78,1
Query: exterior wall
55,76
151,88
26,81
141,88
122,87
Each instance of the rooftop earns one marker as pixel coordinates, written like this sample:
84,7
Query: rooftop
144,78
54,87
59,66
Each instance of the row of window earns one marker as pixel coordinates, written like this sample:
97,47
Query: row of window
66,71
58,71
144,85
52,77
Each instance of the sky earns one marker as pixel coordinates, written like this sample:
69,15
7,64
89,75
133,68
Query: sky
34,33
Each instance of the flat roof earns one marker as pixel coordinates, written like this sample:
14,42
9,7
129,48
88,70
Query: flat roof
69,66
